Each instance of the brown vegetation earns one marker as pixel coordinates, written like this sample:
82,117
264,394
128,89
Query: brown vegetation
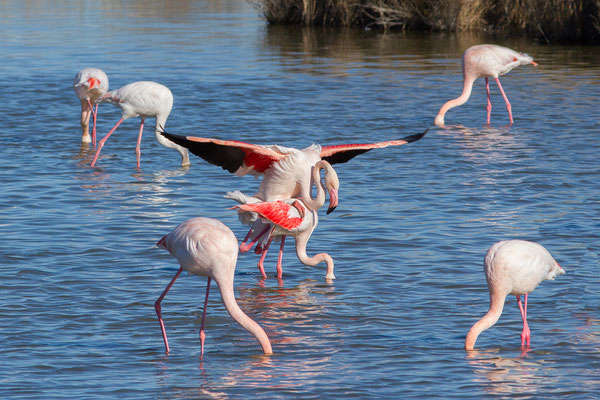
544,20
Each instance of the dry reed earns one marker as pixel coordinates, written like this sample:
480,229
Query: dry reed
544,20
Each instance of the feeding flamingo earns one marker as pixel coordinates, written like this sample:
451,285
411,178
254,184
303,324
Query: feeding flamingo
286,171
280,228
283,218
513,267
89,84
487,61
143,99
207,247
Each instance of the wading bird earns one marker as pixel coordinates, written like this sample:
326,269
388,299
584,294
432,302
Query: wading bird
281,218
485,61
89,84
143,99
513,267
286,171
207,247
260,227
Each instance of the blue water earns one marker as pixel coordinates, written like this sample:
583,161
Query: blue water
80,274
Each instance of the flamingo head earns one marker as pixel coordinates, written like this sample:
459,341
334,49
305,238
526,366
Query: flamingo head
524,59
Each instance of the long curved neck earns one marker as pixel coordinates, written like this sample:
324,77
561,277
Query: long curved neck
489,319
301,241
241,318
314,203
86,111
460,100
160,124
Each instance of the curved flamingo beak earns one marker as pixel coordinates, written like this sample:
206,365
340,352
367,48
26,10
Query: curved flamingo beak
333,200
534,63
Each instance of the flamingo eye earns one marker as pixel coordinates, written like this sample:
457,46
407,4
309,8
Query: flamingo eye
515,59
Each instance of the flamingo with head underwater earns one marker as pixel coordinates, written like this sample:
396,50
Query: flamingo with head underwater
89,84
514,267
207,247
487,61
143,99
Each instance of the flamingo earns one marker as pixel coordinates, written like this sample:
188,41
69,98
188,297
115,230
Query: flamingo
286,171
207,247
143,99
290,217
261,227
89,84
513,267
488,61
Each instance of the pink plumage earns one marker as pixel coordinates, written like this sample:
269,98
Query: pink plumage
286,171
143,99
207,247
485,61
277,212
514,267
89,84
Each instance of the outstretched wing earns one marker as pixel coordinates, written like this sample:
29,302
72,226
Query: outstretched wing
236,157
344,152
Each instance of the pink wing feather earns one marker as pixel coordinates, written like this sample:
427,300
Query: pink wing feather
278,212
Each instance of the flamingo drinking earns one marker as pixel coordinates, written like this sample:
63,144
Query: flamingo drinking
143,99
207,247
513,267
89,85
487,61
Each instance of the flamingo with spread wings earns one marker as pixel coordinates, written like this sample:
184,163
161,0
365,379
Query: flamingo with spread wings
286,171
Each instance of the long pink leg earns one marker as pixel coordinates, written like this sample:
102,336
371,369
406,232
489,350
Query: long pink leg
157,308
101,143
261,266
138,151
489,102
508,106
280,258
245,247
526,334
202,335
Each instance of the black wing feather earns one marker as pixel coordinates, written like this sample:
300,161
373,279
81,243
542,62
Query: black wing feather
229,158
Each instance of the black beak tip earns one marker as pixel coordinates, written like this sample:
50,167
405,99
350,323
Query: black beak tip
330,210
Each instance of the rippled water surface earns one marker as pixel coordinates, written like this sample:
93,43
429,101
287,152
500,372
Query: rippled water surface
80,274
